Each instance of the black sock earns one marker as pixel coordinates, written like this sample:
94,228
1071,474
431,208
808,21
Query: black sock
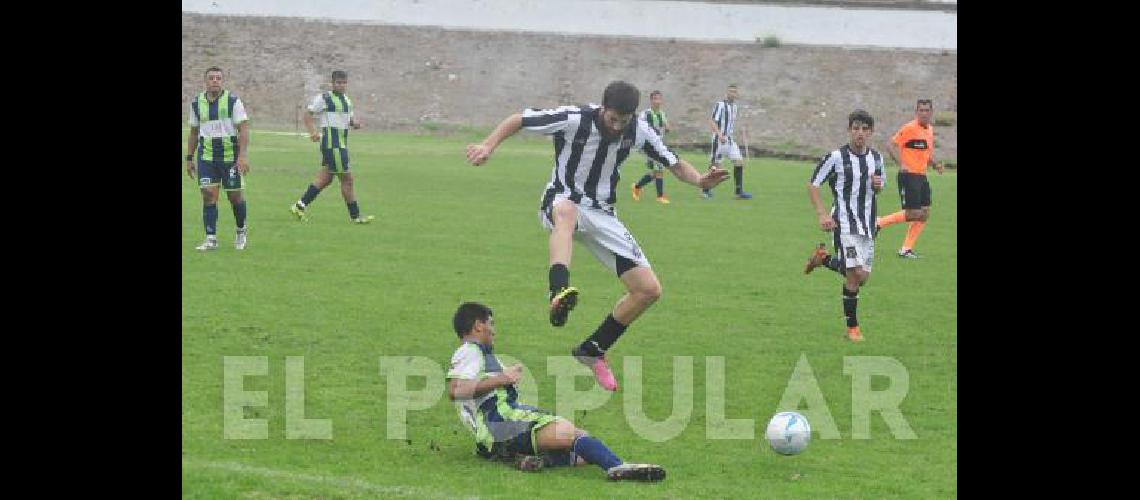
738,175
644,180
604,337
660,186
850,303
353,210
559,278
239,214
833,263
310,195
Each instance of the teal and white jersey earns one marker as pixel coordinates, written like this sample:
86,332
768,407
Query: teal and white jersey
217,124
334,115
473,361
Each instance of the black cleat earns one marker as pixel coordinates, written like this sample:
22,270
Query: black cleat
636,472
561,304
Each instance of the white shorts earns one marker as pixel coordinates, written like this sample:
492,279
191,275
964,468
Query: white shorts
605,236
728,148
854,250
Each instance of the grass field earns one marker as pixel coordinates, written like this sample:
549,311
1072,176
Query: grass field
342,296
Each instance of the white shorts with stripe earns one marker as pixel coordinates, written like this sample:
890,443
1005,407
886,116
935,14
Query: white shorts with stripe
728,148
602,233
854,250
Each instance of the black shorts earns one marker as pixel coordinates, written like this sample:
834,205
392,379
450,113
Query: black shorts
914,190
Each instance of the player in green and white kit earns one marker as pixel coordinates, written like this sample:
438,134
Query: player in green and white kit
336,116
485,395
219,134
655,116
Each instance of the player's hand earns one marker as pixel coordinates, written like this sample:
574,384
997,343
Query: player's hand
714,176
723,139
356,124
826,223
477,154
940,167
190,168
877,182
512,373
315,136
242,165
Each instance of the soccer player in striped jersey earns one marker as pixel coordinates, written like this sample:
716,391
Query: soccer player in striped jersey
590,144
855,174
219,132
912,147
655,117
336,116
487,401
723,125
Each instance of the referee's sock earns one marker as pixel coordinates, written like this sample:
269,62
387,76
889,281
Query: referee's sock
912,234
889,220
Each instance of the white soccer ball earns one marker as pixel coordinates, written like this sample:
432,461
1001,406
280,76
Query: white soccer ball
788,433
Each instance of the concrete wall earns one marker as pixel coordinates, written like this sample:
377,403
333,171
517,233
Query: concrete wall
792,97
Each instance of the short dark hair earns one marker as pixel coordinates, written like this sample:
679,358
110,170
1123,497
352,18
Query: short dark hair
621,96
466,316
862,116
214,68
340,74
655,92
928,102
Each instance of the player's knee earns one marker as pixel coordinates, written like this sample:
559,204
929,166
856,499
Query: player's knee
649,292
564,435
234,196
565,212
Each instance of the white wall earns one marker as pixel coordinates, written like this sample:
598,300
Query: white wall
647,18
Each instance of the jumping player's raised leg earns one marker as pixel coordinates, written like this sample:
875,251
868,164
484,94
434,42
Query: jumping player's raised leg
563,297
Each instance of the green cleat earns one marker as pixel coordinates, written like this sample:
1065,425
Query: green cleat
298,212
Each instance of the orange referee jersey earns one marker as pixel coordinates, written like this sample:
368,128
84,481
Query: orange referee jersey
916,144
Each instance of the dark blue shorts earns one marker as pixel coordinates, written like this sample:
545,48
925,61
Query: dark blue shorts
212,173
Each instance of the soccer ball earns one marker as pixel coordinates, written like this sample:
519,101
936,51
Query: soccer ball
788,433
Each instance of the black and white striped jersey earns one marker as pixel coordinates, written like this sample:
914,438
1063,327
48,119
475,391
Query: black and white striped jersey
849,175
586,164
724,114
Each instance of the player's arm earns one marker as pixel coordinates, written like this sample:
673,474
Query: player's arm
479,153
243,147
191,147
893,150
459,388
823,170
656,151
311,126
353,122
937,166
826,223
684,170
714,128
